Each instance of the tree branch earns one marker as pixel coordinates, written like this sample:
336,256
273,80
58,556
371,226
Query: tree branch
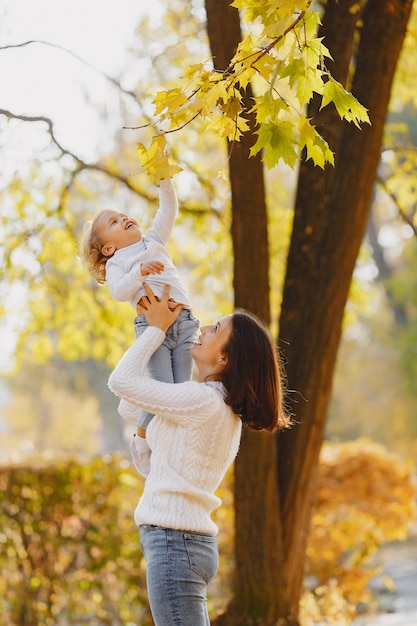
402,212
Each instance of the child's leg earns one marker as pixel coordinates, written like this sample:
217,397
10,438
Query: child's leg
170,363
159,367
186,335
140,326
139,449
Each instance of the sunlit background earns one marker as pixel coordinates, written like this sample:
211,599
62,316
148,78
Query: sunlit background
92,69
62,76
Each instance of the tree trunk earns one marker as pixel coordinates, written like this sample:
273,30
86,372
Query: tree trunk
330,218
258,582
249,221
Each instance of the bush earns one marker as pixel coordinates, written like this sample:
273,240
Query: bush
366,498
70,553
69,546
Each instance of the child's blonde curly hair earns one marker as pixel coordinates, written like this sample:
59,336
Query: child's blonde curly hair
90,250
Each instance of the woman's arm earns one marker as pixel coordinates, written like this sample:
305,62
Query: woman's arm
189,402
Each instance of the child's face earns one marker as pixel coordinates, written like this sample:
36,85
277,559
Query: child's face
116,230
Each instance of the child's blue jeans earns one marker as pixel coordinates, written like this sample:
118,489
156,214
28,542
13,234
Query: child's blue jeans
179,566
172,362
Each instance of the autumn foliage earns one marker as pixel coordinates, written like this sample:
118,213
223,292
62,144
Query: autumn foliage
366,497
70,552
285,61
69,547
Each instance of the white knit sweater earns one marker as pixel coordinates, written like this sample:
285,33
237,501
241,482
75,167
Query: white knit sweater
194,437
123,269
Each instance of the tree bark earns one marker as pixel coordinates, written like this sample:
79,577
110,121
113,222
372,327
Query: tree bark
258,585
329,222
330,218
249,221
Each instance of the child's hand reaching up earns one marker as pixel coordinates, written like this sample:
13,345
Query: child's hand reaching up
152,267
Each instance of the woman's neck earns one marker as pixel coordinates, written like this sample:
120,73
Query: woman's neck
210,377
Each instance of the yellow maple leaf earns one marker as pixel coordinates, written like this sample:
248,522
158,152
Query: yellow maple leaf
169,100
156,161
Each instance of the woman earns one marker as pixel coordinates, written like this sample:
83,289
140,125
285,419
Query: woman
194,437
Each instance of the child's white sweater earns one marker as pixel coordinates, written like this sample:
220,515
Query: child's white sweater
194,438
123,269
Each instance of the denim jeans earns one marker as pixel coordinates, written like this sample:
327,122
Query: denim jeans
172,362
179,566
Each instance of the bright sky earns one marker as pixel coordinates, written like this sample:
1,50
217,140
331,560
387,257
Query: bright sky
38,79
41,80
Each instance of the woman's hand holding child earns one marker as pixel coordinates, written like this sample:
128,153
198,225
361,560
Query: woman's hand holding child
159,313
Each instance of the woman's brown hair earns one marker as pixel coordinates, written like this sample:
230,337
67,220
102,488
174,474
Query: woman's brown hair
253,375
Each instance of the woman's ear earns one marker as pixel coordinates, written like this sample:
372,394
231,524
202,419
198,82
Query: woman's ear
108,249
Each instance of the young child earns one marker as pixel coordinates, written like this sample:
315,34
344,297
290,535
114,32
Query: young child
115,251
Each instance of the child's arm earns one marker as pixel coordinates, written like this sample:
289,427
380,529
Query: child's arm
164,220
152,267
123,286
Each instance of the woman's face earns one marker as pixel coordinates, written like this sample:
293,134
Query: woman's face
208,351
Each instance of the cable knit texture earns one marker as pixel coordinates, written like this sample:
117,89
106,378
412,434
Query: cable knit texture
194,437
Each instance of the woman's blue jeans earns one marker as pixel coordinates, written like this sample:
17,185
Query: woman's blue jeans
179,566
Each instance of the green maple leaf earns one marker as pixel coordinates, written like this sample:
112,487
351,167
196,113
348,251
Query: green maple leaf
346,104
277,141
317,148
